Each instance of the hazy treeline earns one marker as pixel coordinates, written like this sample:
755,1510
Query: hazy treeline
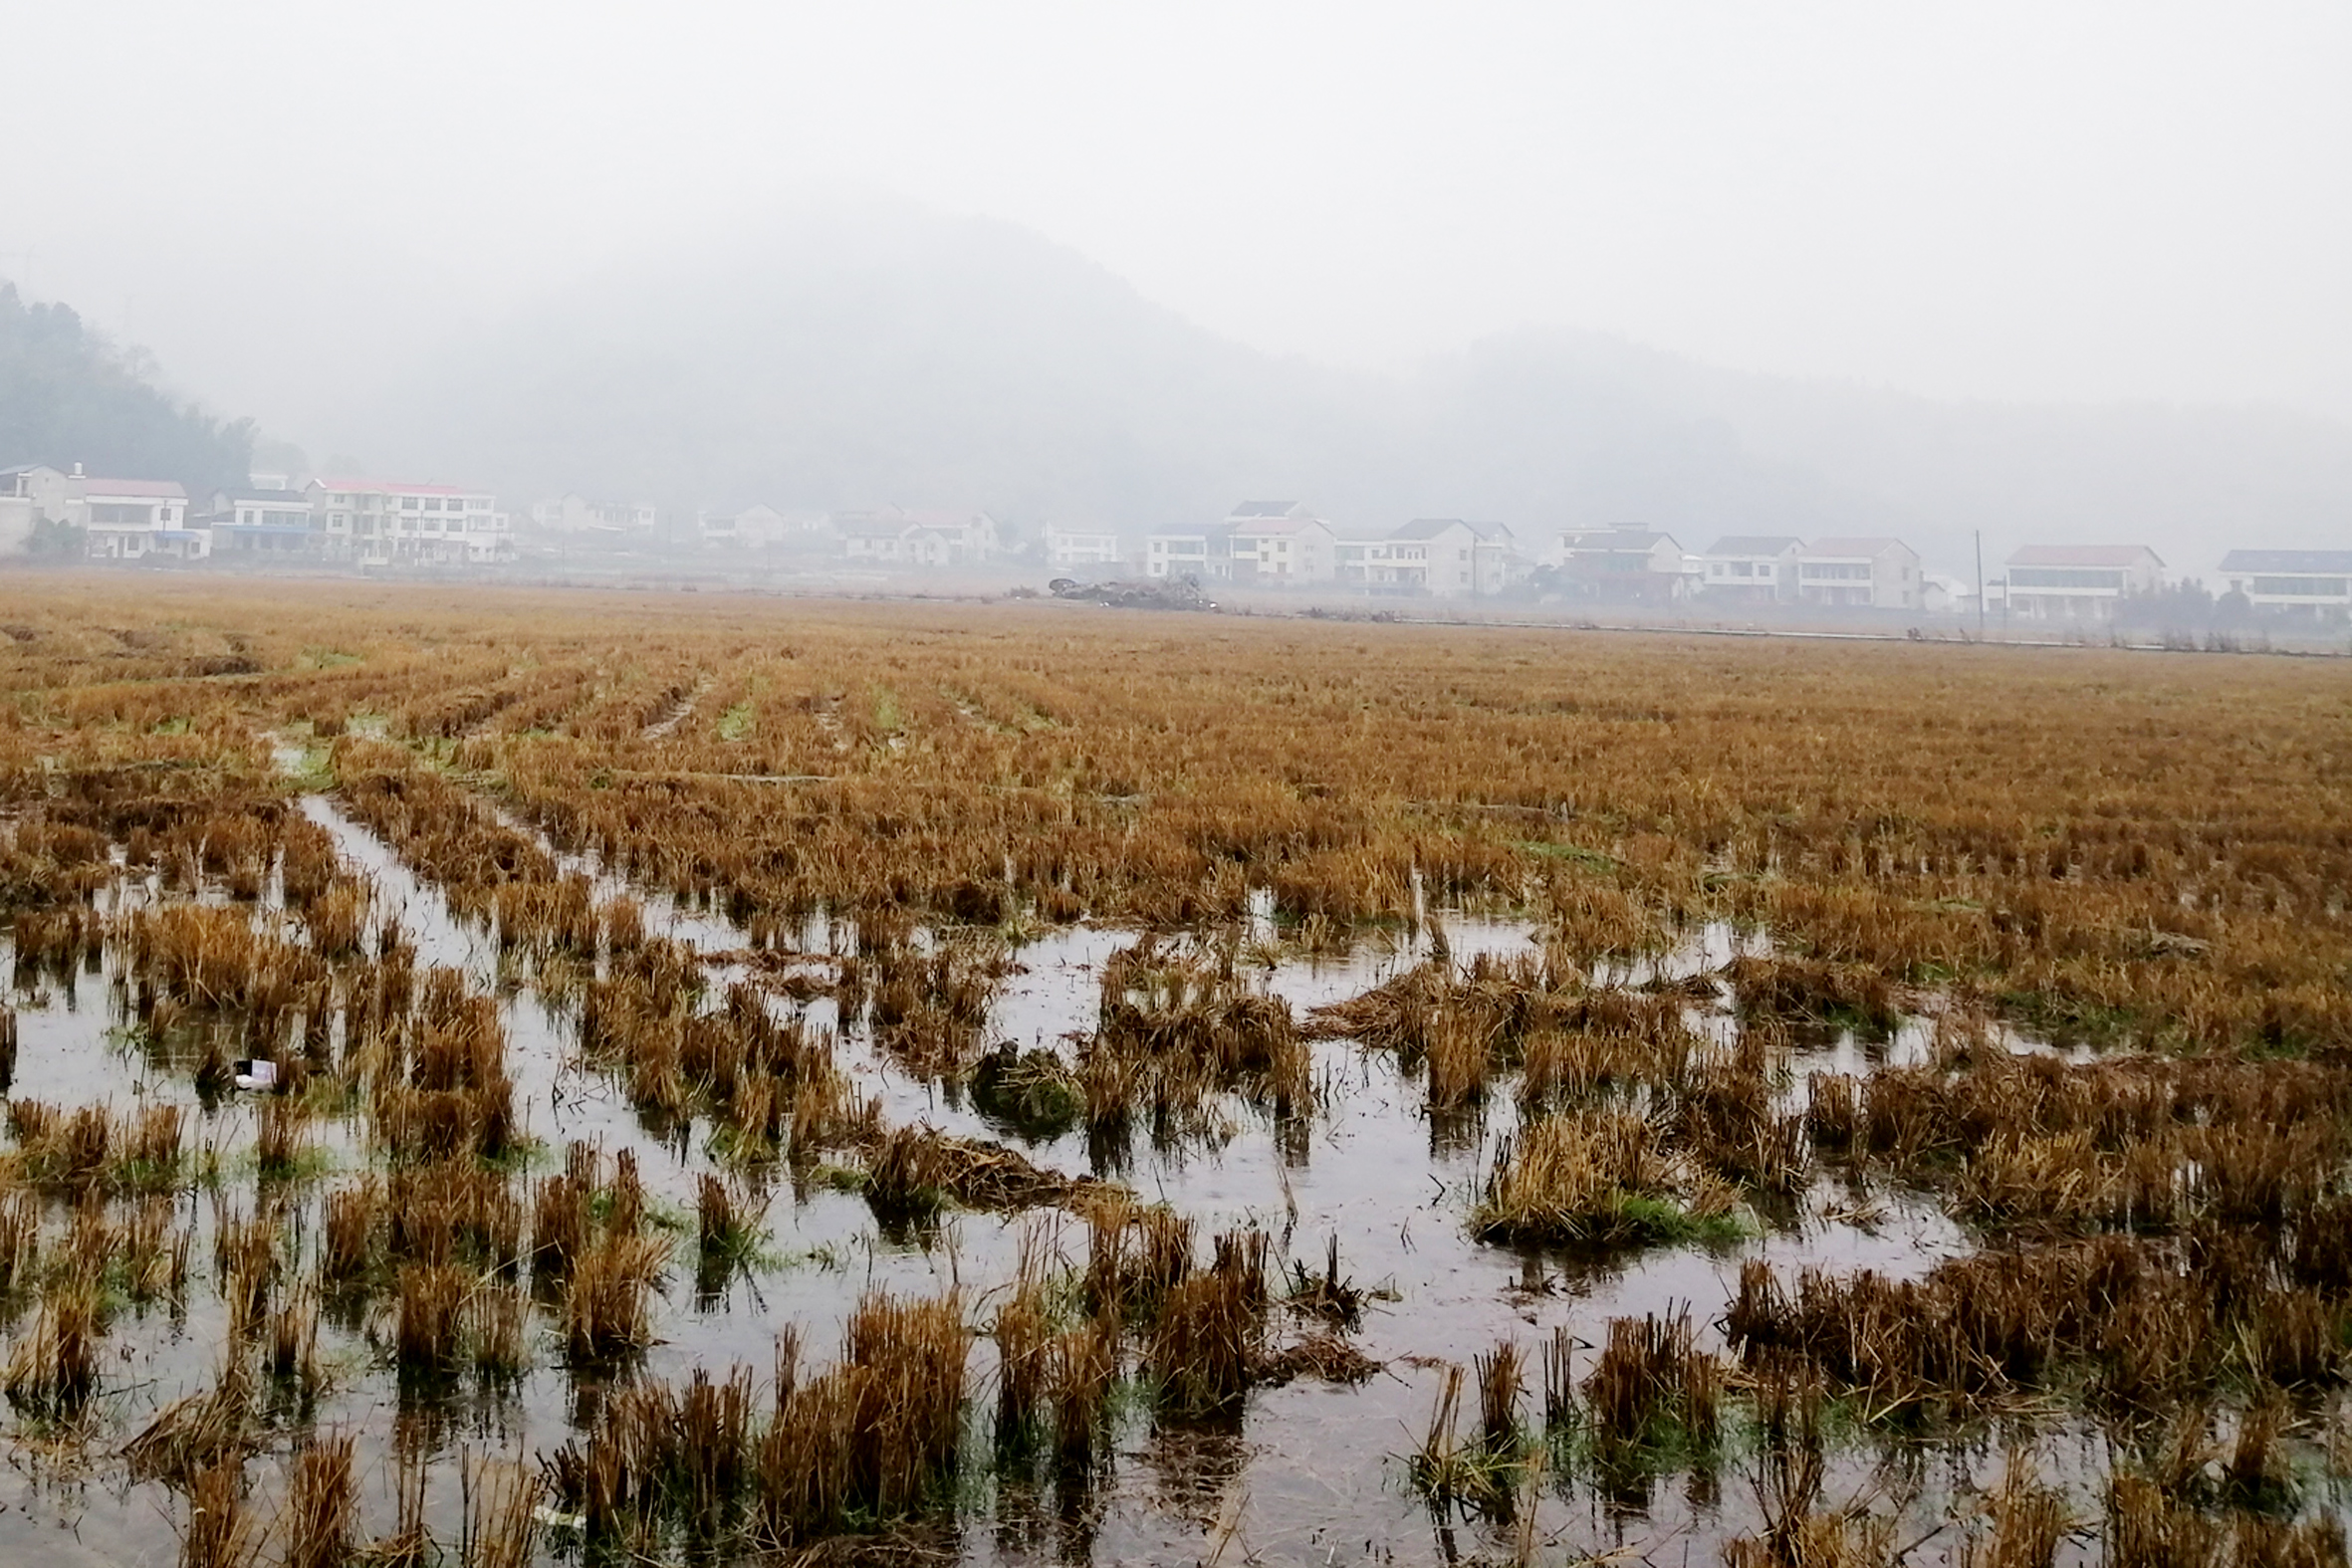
69,395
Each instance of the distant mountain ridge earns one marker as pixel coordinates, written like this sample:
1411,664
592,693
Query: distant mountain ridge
885,355
862,355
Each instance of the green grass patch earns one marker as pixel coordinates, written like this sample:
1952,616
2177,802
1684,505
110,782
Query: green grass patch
1576,854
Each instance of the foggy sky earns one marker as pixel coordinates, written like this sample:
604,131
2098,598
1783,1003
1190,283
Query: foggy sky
2033,201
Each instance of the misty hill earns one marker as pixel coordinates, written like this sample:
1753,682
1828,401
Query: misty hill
67,396
871,355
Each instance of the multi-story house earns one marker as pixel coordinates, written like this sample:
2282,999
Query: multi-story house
385,522
1280,541
894,540
1630,564
929,538
253,522
2079,582
1859,573
1446,558
1204,553
1751,569
2313,582
127,519
1068,548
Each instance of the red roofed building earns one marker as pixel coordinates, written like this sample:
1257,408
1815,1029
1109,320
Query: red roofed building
2079,582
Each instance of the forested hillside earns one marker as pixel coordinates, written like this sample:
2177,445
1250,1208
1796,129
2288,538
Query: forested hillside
69,395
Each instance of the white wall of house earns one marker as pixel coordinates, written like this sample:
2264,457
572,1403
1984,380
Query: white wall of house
1071,548
48,491
1200,553
2295,592
2079,582
1861,573
1623,564
1496,561
1286,550
1451,562
1763,576
397,522
1752,570
2314,582
125,519
1383,564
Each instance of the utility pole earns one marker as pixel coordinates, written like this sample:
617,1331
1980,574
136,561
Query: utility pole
1980,584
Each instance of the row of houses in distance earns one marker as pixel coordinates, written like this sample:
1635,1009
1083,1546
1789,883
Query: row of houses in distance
904,536
1280,543
2038,582
2097,582
362,521
888,536
1283,544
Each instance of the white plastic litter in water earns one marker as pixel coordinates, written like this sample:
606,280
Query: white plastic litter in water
256,1075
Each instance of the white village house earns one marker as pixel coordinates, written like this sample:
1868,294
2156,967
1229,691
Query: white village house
1446,558
576,514
1622,563
127,519
30,494
383,523
1068,548
895,536
762,527
256,522
2079,582
1280,542
1864,573
2313,582
1751,569
1202,553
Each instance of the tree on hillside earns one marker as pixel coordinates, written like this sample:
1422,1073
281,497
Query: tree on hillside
69,395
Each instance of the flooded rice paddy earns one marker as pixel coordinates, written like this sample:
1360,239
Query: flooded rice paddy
1310,1471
